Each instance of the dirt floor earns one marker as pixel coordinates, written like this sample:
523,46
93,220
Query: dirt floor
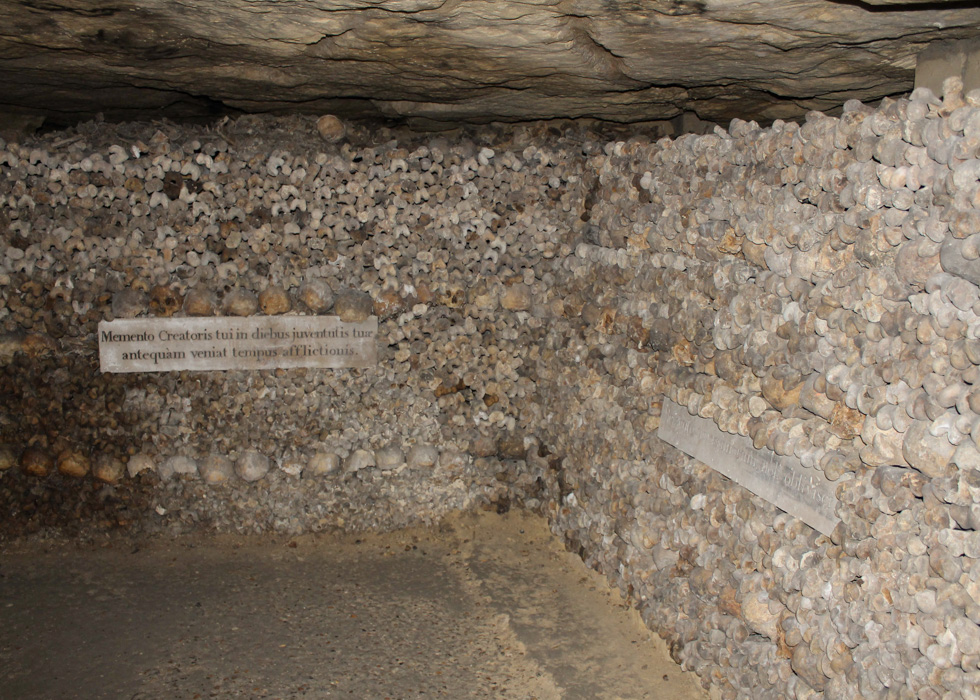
482,606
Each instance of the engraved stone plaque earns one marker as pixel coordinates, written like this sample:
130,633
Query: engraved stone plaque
783,481
225,342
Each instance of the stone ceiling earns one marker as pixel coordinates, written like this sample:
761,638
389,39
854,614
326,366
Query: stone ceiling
428,62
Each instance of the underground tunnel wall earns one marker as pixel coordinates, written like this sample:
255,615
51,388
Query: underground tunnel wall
540,295
446,243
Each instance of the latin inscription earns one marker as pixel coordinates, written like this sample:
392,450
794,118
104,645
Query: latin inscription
222,343
783,481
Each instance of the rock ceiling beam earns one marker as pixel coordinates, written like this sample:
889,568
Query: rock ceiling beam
449,61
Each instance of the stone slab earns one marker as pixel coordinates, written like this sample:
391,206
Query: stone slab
783,481
229,343
621,61
944,59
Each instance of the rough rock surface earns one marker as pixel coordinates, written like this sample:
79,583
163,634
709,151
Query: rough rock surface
432,61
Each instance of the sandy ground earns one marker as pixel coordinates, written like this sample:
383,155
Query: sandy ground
482,606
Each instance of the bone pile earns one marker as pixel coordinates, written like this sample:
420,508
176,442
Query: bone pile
541,290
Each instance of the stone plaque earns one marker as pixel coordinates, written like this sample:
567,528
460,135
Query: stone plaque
225,342
783,481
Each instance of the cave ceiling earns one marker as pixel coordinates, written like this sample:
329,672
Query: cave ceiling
438,62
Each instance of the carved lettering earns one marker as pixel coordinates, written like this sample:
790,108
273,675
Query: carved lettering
224,343
783,481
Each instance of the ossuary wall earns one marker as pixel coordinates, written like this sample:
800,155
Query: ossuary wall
540,293
814,288
449,243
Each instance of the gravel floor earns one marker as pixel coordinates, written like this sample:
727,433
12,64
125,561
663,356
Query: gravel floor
483,606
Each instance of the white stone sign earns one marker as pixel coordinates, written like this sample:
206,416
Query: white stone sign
226,342
783,481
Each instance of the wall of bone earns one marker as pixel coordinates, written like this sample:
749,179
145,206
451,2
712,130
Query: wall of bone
813,288
540,293
442,241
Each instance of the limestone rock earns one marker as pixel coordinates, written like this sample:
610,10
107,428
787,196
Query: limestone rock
14,127
604,60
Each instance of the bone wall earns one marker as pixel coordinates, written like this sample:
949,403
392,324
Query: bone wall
540,292
814,288
450,244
